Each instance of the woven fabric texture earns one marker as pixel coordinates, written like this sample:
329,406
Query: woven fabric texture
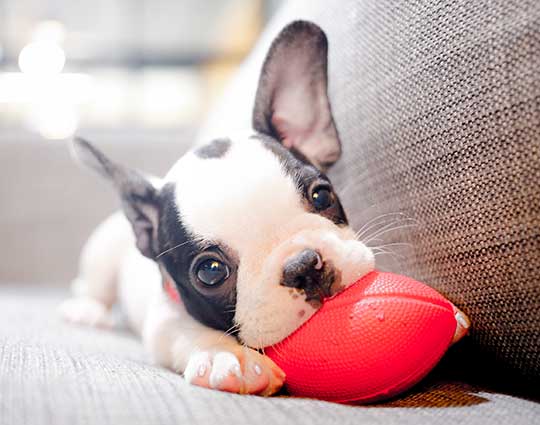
438,108
53,373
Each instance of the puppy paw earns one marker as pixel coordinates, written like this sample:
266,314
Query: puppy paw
241,370
463,325
86,311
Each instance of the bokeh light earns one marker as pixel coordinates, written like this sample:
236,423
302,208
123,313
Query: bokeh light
42,58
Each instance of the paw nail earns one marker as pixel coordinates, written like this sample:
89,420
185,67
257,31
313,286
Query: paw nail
462,320
201,370
257,369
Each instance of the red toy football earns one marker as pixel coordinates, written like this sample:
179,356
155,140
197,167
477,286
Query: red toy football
372,341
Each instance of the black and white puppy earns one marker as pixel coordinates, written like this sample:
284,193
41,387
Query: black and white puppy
247,229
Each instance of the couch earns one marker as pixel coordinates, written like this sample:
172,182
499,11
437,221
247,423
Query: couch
438,108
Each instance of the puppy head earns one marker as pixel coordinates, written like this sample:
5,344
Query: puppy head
248,226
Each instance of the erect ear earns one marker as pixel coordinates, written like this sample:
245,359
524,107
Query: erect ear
292,103
139,197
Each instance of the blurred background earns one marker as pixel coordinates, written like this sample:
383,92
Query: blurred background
108,64
134,76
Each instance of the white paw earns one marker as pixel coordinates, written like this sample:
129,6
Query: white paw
86,311
241,370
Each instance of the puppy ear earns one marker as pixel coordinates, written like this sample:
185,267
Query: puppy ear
292,103
139,197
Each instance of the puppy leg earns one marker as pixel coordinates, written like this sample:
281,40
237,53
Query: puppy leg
95,289
207,358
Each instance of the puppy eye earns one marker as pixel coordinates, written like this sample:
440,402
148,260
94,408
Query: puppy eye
212,272
322,198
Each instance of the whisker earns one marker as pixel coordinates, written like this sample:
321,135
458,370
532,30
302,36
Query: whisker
392,244
233,328
173,248
390,228
381,216
372,240
279,353
235,325
375,220
230,308
388,252
261,345
229,332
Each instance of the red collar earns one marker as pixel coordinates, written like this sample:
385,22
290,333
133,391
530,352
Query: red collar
171,291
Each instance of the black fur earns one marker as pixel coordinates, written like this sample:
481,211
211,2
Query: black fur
215,149
139,197
171,245
213,307
305,175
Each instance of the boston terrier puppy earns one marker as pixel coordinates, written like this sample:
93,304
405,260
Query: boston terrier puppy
239,243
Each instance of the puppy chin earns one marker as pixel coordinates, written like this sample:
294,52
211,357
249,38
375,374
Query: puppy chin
276,325
276,311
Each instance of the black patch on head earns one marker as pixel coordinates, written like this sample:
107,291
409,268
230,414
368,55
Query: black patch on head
215,149
213,307
305,176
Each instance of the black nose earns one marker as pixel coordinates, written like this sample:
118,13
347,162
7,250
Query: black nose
303,271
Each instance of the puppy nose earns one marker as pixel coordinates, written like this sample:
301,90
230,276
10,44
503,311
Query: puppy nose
303,271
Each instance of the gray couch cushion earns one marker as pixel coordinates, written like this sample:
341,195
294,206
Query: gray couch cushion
437,105
53,373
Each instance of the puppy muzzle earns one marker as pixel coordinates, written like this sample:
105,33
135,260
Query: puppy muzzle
308,273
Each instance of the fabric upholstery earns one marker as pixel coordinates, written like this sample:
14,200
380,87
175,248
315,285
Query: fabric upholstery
438,108
52,373
437,104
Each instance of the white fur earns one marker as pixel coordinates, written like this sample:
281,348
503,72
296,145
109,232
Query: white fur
112,269
87,311
247,201
103,252
238,198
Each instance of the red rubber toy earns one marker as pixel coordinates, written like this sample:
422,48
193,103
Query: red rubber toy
372,341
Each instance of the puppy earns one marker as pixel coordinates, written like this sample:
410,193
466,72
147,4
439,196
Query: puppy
246,234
